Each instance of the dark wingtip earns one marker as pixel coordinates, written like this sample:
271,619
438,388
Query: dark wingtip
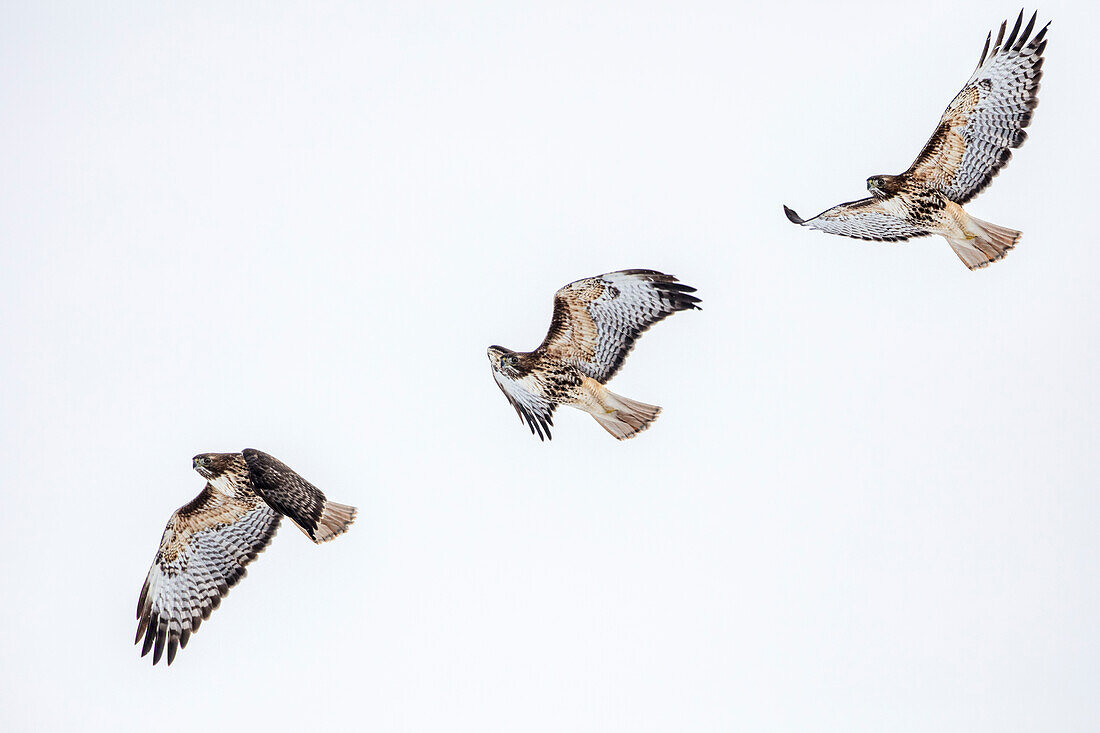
142,624
680,297
686,302
1011,40
985,50
162,636
675,286
1037,42
538,426
1000,37
542,430
794,217
150,637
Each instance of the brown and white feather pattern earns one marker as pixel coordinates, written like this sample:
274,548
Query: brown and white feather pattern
530,395
208,543
871,219
595,324
972,142
203,553
597,320
986,120
288,493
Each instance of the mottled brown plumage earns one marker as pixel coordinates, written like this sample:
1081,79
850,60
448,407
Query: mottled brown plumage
288,493
595,324
972,142
208,542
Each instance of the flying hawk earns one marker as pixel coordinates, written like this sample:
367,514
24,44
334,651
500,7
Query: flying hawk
973,141
208,543
596,322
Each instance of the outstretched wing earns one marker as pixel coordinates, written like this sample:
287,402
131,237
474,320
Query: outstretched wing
203,553
288,493
986,120
597,320
880,220
529,398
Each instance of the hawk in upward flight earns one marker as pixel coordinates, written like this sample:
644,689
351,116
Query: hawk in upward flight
208,543
973,141
596,322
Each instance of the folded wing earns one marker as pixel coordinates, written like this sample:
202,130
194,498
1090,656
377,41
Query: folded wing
597,320
288,493
986,120
203,553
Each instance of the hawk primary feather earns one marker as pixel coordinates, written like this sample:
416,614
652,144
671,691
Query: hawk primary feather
595,324
972,142
209,542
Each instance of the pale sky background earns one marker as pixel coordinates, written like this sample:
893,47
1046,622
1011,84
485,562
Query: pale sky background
870,503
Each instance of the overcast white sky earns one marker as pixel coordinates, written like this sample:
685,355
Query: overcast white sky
870,503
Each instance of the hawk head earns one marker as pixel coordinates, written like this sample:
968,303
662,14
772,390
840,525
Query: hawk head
214,465
504,361
883,186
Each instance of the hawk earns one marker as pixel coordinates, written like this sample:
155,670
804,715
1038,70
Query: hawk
971,144
595,324
208,543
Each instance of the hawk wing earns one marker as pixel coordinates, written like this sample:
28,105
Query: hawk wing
530,400
288,493
597,320
986,120
868,218
203,553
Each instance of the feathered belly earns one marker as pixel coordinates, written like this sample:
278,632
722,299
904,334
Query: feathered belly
923,208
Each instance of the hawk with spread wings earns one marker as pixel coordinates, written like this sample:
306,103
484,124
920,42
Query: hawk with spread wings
595,324
973,141
208,543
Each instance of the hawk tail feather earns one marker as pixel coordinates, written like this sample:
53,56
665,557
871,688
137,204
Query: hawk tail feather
625,418
990,244
335,520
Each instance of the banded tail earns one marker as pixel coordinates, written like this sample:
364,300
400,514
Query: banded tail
624,418
990,244
335,520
